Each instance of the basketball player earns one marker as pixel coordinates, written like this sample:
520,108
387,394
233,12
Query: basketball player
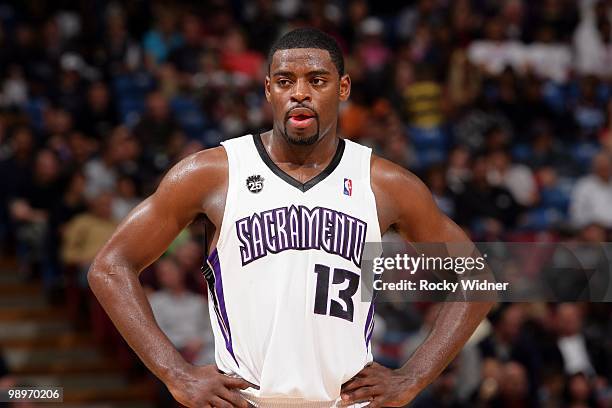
290,210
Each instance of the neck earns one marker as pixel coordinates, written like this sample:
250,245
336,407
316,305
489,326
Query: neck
315,155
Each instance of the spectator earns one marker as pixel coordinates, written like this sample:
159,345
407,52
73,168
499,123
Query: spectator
579,393
548,151
127,198
491,372
182,315
14,90
84,235
68,92
79,149
30,208
517,178
580,354
371,50
589,115
442,392
459,170
99,115
17,161
514,388
237,59
509,343
485,208
57,126
186,57
423,100
119,53
463,83
190,257
592,39
163,38
71,204
605,136
155,129
592,195
101,173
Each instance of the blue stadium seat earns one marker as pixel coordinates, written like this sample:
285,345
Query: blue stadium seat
572,91
521,152
190,116
541,218
130,109
423,138
554,94
133,85
583,153
604,93
555,198
34,108
428,157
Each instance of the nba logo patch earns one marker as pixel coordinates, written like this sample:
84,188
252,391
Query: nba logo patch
348,187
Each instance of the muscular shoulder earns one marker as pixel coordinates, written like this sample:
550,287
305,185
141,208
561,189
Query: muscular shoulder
196,177
211,162
387,176
401,197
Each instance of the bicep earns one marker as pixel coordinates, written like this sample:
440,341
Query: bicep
145,234
148,230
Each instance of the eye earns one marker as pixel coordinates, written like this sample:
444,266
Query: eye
284,82
318,81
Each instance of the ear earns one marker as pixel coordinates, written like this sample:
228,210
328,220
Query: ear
267,88
345,87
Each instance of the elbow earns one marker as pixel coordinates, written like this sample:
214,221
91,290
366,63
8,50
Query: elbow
109,271
102,272
96,275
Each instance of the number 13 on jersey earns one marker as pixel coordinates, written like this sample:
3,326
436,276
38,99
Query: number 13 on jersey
323,304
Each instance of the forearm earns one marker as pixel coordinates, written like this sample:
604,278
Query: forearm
453,327
121,295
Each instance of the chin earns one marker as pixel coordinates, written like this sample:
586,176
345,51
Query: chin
301,140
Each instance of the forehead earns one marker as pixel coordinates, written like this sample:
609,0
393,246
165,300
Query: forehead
302,59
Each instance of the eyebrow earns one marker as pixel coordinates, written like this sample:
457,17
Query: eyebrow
310,73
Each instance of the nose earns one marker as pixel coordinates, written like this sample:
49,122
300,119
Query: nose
301,91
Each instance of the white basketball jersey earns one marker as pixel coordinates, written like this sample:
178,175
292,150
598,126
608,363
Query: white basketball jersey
286,306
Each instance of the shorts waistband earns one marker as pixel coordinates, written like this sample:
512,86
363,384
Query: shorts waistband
258,402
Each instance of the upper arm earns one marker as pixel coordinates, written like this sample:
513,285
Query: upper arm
405,203
183,193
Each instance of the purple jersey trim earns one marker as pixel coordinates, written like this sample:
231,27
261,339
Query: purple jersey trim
214,262
369,325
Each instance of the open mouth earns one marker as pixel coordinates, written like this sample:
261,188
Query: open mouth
301,117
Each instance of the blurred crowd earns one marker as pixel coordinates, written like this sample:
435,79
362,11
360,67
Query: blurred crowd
501,106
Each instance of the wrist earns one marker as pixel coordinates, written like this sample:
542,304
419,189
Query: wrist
175,373
412,381
407,386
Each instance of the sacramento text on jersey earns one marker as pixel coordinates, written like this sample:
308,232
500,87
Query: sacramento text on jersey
298,227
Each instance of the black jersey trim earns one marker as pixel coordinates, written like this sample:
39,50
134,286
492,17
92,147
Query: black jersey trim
290,180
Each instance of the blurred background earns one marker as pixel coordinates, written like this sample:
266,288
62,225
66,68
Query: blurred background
501,106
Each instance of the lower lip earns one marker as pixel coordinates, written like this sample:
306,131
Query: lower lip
301,124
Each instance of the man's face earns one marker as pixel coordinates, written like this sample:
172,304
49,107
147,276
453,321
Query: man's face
304,89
